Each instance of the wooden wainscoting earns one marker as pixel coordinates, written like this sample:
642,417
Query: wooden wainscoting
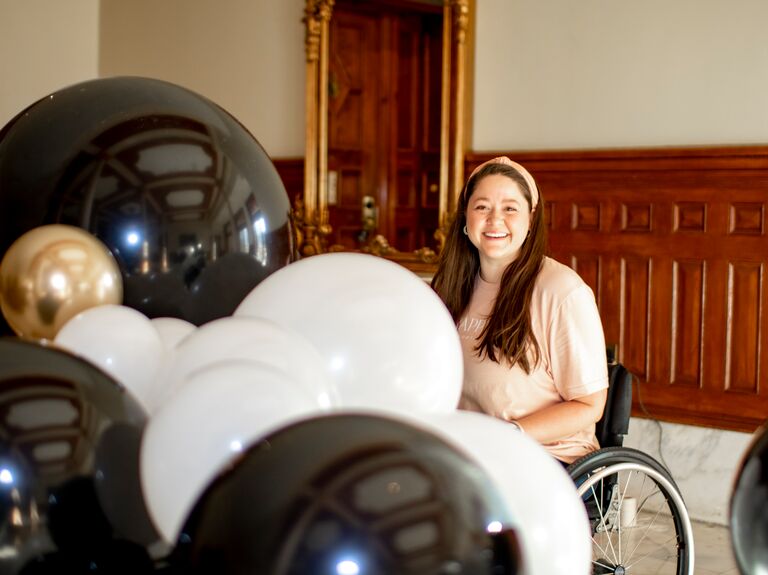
675,247
674,244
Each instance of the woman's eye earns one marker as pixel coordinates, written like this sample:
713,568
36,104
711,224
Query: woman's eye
511,209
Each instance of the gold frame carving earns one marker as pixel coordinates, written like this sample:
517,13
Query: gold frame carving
311,211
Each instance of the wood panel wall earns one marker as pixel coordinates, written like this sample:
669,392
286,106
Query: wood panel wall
674,244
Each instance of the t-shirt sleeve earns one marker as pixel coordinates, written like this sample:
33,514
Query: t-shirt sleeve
577,346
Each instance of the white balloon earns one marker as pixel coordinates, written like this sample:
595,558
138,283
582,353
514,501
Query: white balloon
219,412
121,341
386,338
244,338
539,493
172,330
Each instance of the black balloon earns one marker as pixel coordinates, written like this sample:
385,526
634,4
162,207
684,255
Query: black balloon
167,179
349,494
749,507
70,492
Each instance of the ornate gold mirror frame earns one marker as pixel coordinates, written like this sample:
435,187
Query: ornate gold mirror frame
312,217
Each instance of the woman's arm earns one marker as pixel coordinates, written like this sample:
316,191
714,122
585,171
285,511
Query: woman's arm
578,366
563,419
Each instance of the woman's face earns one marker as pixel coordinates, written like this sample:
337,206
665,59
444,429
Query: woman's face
498,220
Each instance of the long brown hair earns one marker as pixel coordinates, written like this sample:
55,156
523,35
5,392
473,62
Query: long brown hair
508,329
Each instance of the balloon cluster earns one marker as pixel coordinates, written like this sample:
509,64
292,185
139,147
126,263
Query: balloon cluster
182,397
184,197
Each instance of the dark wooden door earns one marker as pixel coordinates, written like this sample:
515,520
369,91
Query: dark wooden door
384,123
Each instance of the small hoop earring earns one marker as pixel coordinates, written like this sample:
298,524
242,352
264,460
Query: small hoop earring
466,233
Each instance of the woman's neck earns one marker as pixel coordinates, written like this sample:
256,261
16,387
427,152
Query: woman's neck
491,273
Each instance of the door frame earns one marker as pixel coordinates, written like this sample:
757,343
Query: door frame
312,215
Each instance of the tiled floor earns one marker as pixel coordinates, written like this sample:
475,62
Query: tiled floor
714,554
648,547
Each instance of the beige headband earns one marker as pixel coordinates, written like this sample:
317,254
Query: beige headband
523,172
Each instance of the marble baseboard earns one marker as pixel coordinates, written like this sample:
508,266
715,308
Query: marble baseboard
703,462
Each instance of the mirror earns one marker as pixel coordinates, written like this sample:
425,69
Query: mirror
365,196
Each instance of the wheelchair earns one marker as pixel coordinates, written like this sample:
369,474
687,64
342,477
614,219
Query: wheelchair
638,518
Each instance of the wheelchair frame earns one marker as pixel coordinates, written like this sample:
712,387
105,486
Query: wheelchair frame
632,500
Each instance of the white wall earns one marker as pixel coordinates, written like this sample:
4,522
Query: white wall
245,55
616,73
554,74
44,46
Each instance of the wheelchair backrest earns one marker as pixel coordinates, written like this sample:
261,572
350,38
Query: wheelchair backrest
614,424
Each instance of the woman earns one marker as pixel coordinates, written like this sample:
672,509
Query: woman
534,349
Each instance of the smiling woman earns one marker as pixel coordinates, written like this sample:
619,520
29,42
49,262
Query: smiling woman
532,340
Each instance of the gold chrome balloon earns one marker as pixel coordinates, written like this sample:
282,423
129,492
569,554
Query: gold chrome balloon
52,273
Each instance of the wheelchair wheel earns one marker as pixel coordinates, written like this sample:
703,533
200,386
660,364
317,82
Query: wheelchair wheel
639,521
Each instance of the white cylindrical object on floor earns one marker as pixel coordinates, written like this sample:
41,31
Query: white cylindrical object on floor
628,512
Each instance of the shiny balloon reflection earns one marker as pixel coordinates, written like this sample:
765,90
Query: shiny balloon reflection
169,181
52,273
749,507
70,497
350,494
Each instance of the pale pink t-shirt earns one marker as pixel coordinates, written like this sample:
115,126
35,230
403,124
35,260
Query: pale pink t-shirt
566,324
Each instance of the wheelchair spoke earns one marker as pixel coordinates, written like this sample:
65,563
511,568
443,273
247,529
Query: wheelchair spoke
629,566
639,509
622,497
643,538
603,524
597,563
619,558
646,531
639,523
603,550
